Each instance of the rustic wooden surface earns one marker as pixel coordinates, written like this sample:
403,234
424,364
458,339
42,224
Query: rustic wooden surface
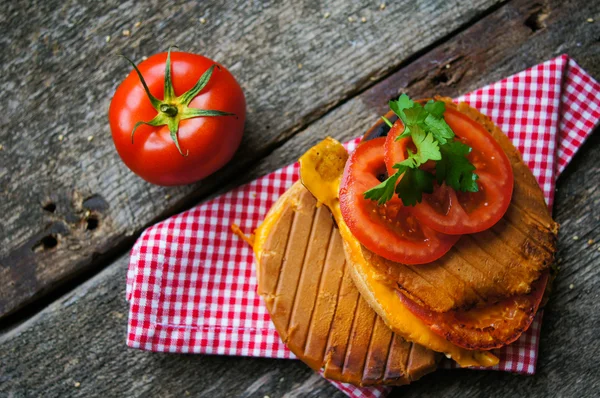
75,346
292,63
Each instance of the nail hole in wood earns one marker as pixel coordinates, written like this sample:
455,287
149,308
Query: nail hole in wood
441,77
95,202
46,243
535,21
49,207
91,223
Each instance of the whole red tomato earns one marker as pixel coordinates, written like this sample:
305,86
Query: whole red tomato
187,125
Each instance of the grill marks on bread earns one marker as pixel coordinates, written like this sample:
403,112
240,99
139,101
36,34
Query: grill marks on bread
318,312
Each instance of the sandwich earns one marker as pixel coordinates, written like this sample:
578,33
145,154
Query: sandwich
444,230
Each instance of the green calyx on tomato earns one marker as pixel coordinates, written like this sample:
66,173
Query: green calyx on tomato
433,141
171,110
210,142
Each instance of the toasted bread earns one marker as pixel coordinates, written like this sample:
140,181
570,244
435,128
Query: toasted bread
318,312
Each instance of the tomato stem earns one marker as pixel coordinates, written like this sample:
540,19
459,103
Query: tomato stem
169,110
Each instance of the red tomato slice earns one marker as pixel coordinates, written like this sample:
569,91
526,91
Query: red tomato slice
457,213
389,230
488,327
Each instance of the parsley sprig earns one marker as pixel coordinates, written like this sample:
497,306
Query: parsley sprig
434,140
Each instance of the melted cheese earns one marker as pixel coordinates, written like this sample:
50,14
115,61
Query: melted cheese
399,318
263,230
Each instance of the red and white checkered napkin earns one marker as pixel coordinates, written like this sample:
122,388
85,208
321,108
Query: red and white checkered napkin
191,283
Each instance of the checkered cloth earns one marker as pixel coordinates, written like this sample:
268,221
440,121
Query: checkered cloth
191,283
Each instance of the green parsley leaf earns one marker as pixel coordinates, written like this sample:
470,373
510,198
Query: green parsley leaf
384,191
439,128
435,108
434,140
402,103
415,115
455,169
427,147
413,184
410,162
405,133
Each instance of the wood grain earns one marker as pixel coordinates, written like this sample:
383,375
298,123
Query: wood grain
68,202
80,338
496,47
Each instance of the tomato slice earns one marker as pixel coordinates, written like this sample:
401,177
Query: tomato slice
451,212
390,230
484,328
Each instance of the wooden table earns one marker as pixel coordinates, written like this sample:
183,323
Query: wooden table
71,210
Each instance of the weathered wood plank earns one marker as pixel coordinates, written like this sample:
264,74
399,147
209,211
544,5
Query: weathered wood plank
498,46
76,348
67,201
81,337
